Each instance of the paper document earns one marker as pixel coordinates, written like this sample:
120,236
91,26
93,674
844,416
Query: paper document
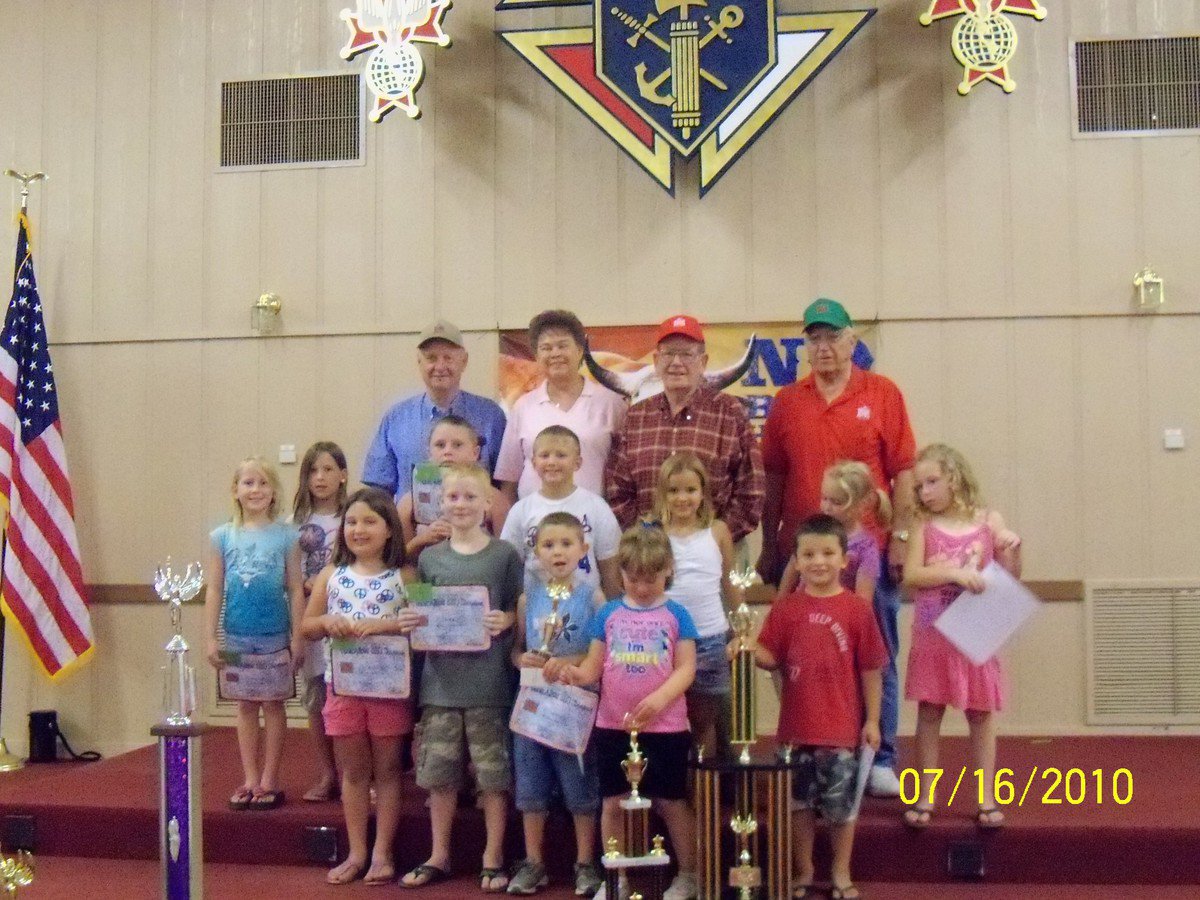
866,758
979,624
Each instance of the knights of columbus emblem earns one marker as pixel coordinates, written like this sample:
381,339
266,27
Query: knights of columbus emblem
684,75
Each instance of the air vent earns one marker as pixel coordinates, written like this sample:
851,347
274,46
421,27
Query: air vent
1137,87
307,121
1143,652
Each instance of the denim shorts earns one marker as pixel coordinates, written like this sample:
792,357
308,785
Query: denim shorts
712,666
824,780
257,643
541,772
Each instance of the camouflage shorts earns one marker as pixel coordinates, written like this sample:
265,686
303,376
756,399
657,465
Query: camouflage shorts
824,780
443,733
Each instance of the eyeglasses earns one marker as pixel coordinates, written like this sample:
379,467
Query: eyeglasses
681,355
826,338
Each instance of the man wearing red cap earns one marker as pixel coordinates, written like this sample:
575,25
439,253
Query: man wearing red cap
687,415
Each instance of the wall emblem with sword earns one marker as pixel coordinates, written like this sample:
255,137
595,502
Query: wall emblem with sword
683,77
683,63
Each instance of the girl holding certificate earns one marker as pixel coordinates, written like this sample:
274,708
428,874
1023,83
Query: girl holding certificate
957,539
358,596
258,595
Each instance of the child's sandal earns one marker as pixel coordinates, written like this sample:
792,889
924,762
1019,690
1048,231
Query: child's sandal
989,819
917,819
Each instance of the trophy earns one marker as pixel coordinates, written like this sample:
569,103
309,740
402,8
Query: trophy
552,625
179,685
639,869
16,871
745,876
743,730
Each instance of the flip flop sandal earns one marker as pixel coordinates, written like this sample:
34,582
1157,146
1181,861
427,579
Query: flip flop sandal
990,819
266,800
241,799
376,880
490,874
841,893
917,819
351,872
423,875
802,891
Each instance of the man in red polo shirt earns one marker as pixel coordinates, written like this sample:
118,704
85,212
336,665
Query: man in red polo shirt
840,412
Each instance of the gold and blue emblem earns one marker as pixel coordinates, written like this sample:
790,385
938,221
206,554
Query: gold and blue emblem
683,77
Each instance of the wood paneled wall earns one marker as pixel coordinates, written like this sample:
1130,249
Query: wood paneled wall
996,251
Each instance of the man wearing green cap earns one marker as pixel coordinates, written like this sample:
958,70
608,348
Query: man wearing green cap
840,412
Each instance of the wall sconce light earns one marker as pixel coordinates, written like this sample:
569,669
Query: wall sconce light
1150,293
264,314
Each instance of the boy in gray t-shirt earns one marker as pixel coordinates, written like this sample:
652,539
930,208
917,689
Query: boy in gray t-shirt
468,695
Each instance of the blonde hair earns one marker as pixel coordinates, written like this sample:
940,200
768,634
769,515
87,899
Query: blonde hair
467,470
646,550
854,481
964,487
272,477
678,464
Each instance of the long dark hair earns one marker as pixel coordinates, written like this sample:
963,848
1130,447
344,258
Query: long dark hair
302,505
380,503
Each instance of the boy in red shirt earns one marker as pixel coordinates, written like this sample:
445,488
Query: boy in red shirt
825,643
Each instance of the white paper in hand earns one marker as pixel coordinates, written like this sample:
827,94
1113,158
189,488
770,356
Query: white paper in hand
979,624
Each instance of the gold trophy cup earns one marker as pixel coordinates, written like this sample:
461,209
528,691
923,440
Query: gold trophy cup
552,625
744,728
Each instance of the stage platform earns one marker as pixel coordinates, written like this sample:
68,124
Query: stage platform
109,810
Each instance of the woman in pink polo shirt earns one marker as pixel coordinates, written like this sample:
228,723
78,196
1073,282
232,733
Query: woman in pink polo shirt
565,398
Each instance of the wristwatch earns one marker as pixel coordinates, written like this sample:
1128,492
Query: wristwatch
901,535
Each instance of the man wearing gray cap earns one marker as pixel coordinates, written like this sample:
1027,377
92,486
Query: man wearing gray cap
403,437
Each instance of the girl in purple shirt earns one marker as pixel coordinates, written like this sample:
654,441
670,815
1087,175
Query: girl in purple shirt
847,492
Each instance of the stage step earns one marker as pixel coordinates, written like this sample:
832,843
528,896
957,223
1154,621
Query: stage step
109,810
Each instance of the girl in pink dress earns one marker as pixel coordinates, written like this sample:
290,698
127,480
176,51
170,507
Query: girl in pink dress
957,539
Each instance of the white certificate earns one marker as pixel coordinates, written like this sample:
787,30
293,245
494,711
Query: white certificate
452,617
866,758
979,624
557,715
375,666
258,677
426,493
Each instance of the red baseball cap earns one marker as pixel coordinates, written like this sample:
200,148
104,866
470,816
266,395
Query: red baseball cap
684,325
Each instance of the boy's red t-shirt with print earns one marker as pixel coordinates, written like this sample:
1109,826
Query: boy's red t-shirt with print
822,644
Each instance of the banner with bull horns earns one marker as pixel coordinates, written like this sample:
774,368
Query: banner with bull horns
750,361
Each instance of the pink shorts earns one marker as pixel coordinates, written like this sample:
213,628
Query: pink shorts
349,716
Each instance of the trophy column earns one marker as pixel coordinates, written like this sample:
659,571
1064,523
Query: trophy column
180,820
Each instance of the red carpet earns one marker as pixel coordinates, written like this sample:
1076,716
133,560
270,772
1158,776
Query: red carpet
109,809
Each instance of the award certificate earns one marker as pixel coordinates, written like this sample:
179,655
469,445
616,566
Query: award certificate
376,666
256,676
557,715
426,493
453,617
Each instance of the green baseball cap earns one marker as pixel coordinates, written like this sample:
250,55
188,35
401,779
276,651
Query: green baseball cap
826,312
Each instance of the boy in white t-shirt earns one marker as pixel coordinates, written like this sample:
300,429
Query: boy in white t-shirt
556,459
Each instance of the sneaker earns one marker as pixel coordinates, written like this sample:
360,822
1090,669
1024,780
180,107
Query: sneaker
530,877
587,879
883,782
684,887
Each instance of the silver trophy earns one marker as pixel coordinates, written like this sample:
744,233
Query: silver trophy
179,679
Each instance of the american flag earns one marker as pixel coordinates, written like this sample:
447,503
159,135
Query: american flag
43,590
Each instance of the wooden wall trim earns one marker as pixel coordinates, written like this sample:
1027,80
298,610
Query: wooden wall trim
1051,592
1046,591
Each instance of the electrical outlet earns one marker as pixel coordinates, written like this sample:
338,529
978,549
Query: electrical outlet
287,454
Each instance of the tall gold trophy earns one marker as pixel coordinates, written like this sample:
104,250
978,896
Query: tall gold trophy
744,727
642,867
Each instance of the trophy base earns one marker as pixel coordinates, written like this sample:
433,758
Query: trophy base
9,762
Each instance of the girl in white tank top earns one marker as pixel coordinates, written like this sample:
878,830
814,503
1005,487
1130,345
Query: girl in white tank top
703,550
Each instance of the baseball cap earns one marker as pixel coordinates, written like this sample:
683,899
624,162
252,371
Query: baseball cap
684,325
826,312
441,330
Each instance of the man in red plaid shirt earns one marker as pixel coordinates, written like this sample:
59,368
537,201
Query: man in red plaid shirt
687,415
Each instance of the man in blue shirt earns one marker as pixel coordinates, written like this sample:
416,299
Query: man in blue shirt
403,437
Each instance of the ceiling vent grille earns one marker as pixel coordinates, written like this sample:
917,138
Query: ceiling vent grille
313,120
1142,86
1143,652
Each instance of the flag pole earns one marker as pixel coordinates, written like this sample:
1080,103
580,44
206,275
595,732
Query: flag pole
9,762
